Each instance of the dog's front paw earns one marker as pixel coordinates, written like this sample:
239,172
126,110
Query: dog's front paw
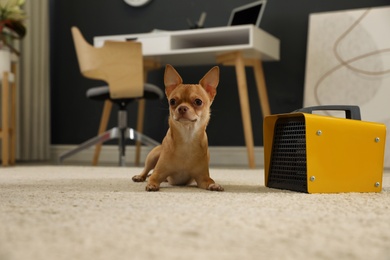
152,187
215,187
138,178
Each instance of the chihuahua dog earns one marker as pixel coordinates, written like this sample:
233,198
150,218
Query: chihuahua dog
183,156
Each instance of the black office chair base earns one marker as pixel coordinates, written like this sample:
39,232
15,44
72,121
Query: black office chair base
115,133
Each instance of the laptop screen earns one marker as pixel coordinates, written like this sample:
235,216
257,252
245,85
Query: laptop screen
247,14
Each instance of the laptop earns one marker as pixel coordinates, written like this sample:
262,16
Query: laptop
247,14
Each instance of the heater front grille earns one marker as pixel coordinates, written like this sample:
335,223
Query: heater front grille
288,158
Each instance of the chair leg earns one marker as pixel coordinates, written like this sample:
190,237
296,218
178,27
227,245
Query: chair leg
122,126
102,128
118,133
140,128
107,135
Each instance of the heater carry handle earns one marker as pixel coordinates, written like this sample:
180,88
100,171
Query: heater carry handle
351,112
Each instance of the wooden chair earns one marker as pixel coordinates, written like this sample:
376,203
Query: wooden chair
120,65
8,116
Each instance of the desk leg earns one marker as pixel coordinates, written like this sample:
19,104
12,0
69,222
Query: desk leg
140,129
148,65
4,119
102,128
245,111
261,87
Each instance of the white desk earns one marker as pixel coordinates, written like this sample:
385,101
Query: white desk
237,46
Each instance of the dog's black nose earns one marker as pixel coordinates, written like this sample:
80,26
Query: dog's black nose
183,109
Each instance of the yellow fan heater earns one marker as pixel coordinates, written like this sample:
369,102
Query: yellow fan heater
312,153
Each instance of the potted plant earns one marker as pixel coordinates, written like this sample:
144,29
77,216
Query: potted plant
12,26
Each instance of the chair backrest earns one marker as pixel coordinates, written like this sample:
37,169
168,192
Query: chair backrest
120,64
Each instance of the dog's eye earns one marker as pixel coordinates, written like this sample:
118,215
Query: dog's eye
198,102
172,102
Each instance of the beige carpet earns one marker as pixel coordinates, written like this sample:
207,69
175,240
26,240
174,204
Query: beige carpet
67,212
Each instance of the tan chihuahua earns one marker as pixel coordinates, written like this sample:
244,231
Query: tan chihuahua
183,155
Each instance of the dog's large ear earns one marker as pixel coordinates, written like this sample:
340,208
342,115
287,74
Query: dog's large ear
210,82
172,79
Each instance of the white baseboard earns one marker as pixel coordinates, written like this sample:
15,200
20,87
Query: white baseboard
220,156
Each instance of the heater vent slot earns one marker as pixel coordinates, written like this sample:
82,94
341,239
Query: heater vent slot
288,158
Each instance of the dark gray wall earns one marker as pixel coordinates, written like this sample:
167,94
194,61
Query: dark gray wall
74,118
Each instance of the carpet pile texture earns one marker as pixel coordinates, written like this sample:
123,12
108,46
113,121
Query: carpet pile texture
80,212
